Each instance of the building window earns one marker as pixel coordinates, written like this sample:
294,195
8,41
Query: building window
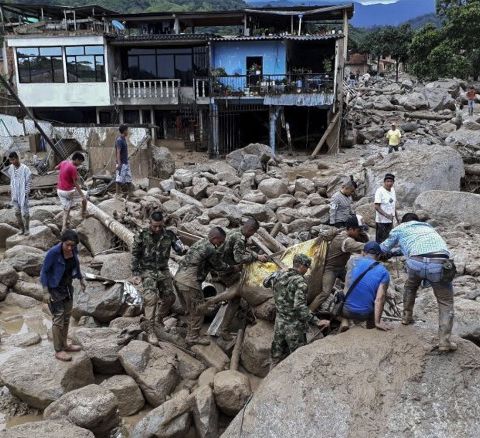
85,64
40,64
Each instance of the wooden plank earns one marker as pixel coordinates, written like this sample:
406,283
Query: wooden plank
325,135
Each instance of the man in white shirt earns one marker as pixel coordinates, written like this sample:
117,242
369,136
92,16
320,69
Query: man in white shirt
386,208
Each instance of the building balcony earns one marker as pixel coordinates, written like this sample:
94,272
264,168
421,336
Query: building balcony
146,92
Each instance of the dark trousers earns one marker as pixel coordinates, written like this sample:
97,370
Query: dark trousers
382,232
370,318
60,305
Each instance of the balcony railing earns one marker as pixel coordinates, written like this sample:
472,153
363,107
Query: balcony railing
263,85
202,88
146,91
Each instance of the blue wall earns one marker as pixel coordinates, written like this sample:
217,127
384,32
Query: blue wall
232,56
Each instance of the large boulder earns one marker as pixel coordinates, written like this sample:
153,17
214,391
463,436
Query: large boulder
382,103
444,171
188,368
273,187
37,378
117,266
8,275
163,163
6,231
113,207
96,237
130,398
101,346
93,407
256,348
45,213
25,259
40,237
47,429
231,390
439,99
389,384
414,101
251,157
260,212
466,142
205,413
454,207
103,304
154,370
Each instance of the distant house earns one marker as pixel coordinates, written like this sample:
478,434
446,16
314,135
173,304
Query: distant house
269,81
361,63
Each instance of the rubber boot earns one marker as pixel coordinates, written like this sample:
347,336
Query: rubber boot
21,225
65,221
407,317
26,223
118,191
445,324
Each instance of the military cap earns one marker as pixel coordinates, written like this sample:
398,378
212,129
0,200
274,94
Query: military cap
302,259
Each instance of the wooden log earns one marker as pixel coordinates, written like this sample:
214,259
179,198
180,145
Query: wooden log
272,244
276,229
235,360
257,240
325,135
421,115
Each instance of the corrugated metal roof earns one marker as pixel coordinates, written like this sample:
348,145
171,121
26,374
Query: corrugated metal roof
166,37
281,37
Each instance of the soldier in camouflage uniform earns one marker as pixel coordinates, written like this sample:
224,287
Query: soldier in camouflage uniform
201,258
150,255
293,315
235,252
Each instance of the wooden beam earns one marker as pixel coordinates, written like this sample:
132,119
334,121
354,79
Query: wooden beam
325,135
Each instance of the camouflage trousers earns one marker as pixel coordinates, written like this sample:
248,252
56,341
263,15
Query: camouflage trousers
158,295
193,299
287,337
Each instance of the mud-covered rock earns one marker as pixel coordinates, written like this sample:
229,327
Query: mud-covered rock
130,398
256,348
232,390
47,429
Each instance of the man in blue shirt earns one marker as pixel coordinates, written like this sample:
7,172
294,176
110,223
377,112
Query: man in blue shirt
366,300
123,173
428,259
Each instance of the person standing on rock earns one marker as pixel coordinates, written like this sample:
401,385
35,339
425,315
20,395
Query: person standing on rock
20,184
68,186
60,267
471,96
348,241
386,208
366,288
123,173
393,136
341,204
202,258
293,315
150,255
234,252
428,259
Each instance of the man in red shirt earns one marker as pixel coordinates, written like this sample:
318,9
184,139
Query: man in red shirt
68,188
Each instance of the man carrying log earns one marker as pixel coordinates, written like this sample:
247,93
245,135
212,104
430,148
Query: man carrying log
293,315
235,252
202,258
150,255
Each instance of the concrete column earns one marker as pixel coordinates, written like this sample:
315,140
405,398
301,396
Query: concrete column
273,126
214,141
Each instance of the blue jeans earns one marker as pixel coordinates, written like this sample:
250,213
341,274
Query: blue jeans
471,106
432,272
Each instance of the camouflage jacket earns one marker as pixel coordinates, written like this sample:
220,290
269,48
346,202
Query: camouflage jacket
201,258
151,252
290,294
234,250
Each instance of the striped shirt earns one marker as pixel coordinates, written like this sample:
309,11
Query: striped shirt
20,183
340,208
415,238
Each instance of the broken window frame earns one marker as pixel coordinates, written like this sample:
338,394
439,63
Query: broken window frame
97,61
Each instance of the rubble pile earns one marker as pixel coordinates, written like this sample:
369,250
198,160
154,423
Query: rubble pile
197,392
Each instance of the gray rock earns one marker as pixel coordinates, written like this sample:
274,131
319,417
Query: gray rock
444,172
184,199
211,355
273,187
26,259
21,301
8,275
167,185
103,304
171,207
255,196
256,348
382,103
7,216
205,413
95,236
129,396
47,429
163,162
445,129
6,231
183,176
117,266
29,289
41,381
439,99
3,292
101,346
232,390
40,237
285,201
466,142
414,101
206,378
93,407
45,213
22,340
227,211
308,392
250,157
113,207
260,212
367,211
153,370
156,424
188,368
304,185
454,207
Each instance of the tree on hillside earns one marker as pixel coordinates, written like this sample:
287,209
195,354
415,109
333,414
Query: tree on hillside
373,43
396,42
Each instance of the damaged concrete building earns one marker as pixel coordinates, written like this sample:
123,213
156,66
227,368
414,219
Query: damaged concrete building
216,81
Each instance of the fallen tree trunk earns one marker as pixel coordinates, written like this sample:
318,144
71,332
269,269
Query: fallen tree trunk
472,169
121,231
270,241
427,116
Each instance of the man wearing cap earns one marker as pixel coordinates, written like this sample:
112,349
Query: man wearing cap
393,136
293,315
428,259
366,299
348,241
386,208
